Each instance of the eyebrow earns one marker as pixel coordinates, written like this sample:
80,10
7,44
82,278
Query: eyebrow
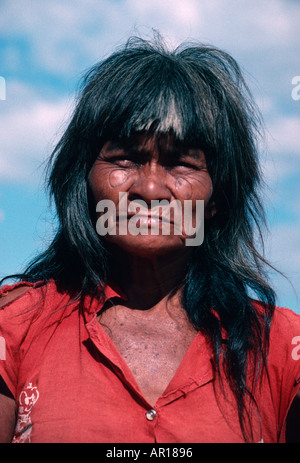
177,150
124,144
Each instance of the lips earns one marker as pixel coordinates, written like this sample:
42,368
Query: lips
144,218
149,221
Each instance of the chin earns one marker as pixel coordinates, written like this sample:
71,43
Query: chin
148,246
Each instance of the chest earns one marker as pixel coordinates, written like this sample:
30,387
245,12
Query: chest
71,390
152,349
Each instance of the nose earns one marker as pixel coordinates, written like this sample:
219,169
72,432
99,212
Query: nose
151,184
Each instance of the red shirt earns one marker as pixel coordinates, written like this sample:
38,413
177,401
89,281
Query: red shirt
72,385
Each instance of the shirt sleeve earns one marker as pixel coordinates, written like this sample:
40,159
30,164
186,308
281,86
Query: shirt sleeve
284,363
15,319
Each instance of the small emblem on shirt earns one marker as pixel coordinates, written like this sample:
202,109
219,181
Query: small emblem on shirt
27,399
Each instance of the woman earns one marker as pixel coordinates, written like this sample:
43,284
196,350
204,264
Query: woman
136,334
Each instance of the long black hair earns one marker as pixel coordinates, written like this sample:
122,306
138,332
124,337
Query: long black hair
198,93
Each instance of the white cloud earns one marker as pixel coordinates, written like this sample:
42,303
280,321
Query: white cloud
63,35
59,32
169,12
284,135
250,25
30,128
283,147
284,254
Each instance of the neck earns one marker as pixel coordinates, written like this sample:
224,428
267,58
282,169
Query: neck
148,280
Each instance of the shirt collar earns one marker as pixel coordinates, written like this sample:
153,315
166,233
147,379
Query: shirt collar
93,304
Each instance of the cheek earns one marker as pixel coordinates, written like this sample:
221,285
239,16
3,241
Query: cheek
117,177
195,187
198,186
183,188
105,181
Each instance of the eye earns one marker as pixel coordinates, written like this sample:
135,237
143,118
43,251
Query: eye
119,158
187,165
122,161
182,165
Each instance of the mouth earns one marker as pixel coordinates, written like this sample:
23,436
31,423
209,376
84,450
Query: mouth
145,218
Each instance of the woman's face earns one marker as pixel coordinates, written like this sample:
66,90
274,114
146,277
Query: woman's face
146,190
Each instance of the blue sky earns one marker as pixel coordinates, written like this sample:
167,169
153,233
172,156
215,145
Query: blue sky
45,46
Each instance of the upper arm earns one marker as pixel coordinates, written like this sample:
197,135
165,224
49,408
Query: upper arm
7,401
293,421
7,414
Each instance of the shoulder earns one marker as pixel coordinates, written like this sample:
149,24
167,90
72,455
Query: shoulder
24,292
26,311
283,361
18,299
285,317
283,364
10,293
284,322
285,339
281,378
285,328
284,343
24,302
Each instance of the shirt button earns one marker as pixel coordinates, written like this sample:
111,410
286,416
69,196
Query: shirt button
150,414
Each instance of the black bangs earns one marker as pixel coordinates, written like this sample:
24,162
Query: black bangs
146,89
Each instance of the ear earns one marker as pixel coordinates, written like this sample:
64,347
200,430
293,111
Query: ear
210,210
